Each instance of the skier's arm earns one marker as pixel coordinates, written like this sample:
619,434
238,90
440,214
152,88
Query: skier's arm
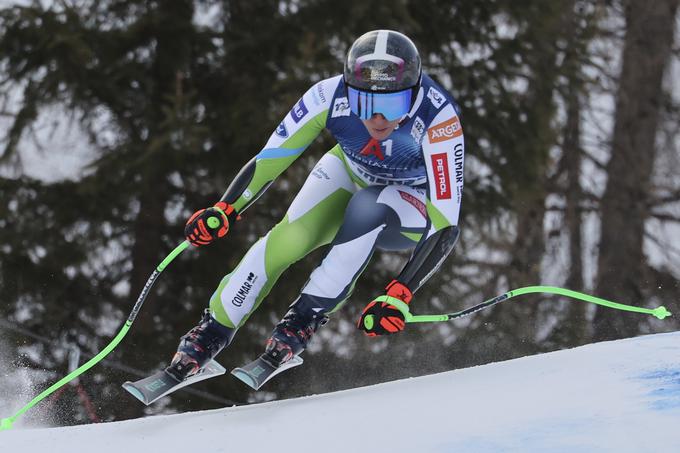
443,150
294,134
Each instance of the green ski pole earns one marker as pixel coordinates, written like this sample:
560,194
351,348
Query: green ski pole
7,423
659,312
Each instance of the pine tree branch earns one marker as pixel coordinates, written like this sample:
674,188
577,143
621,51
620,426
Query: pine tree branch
594,160
665,217
670,197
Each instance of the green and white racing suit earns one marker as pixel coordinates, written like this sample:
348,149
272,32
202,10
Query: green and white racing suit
400,193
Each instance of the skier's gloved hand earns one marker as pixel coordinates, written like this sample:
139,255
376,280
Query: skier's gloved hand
381,318
206,225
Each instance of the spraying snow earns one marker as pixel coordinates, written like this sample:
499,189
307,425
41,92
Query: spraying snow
621,396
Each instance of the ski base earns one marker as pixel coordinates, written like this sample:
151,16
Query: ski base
158,385
259,371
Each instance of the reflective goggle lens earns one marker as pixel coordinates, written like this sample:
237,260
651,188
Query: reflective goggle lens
391,105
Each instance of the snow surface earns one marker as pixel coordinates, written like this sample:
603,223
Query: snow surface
621,396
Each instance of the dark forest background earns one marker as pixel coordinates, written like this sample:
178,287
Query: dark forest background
570,110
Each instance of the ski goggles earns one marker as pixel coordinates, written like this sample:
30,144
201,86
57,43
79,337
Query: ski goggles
392,106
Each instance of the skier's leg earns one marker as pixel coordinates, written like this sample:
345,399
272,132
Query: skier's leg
387,217
312,220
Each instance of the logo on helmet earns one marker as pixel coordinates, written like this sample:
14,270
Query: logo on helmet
380,76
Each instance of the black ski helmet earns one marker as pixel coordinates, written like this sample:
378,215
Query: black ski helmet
378,63
382,60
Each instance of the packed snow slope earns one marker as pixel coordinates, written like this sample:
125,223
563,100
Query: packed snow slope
621,396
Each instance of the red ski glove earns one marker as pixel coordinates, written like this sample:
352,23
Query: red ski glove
381,318
206,225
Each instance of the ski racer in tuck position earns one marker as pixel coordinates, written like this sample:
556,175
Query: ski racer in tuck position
394,181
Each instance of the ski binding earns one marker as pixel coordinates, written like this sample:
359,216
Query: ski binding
259,371
150,389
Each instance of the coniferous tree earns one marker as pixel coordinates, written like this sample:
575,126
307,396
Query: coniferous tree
176,96
622,269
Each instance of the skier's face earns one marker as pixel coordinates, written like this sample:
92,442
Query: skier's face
378,126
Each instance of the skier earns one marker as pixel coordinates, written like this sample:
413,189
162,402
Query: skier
393,181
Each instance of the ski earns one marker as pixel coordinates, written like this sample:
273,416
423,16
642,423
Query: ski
259,371
158,385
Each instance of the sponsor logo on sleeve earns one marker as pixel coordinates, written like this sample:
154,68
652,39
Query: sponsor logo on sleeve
418,130
318,94
440,167
315,98
458,162
299,111
435,97
322,95
281,130
340,107
445,131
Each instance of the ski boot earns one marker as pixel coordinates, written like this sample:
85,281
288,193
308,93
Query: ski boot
291,335
199,346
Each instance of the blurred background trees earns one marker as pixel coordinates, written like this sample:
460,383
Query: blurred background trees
570,110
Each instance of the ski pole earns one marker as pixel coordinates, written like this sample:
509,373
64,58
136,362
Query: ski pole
7,423
659,312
